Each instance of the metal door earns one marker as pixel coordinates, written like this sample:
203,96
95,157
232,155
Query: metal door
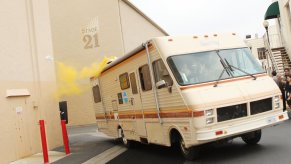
135,100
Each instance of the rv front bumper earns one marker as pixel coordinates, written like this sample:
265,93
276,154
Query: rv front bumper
240,128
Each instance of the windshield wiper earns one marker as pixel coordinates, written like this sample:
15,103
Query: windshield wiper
225,69
231,68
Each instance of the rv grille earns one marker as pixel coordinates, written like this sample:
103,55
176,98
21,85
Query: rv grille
261,106
231,112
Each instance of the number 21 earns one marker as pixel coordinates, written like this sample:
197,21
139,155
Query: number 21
87,39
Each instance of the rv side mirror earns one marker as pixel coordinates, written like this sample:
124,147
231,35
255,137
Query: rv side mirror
161,84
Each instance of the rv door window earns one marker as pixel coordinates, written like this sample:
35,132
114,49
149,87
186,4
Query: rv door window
133,83
124,81
161,73
145,78
96,94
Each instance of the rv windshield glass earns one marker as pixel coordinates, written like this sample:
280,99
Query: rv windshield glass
202,67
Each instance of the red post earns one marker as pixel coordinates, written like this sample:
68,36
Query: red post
43,142
65,137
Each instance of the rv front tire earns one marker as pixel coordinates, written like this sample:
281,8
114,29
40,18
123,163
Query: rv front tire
252,138
189,153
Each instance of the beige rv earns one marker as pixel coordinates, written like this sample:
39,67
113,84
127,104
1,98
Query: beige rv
186,91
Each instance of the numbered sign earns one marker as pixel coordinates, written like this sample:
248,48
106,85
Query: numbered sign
89,33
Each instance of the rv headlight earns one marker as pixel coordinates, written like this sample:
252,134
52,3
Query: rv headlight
209,120
209,112
277,105
277,98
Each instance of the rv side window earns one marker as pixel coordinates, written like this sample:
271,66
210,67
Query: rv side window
133,83
96,94
120,99
145,78
161,73
124,81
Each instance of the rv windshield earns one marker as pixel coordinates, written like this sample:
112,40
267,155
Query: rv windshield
202,67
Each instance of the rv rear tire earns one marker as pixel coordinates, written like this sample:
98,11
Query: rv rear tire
252,138
127,143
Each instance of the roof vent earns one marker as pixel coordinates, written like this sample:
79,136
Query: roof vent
248,36
111,60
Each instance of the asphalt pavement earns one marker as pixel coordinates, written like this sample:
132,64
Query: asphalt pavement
87,144
274,148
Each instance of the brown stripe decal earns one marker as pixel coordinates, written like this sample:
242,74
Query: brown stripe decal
133,115
176,115
98,117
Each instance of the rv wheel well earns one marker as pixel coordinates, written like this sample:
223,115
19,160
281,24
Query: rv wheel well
174,136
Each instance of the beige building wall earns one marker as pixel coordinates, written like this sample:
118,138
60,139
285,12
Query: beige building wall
68,20
274,36
118,28
27,77
136,27
285,19
254,44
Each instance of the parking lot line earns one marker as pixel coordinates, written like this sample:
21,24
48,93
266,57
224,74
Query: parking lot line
107,155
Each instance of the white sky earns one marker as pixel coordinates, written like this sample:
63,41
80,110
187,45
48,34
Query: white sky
181,17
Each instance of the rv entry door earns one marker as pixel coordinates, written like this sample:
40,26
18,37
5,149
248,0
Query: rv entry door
135,100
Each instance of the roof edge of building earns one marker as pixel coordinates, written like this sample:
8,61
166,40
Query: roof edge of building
145,16
121,59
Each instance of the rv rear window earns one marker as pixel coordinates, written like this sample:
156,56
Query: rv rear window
120,99
133,83
124,81
96,94
145,78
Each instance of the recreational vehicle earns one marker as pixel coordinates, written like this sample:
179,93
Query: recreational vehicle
186,91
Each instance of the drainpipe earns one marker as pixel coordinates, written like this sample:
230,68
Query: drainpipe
152,80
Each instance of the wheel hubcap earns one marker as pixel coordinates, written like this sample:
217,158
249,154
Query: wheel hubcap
184,149
124,140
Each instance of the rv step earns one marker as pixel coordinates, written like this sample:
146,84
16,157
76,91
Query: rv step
143,140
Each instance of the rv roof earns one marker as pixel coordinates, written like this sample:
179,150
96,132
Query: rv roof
170,45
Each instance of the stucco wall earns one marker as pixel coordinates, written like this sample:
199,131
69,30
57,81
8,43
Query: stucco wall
135,28
69,21
25,63
119,29
274,36
285,19
255,44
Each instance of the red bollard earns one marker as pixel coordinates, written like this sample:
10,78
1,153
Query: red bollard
43,142
65,137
